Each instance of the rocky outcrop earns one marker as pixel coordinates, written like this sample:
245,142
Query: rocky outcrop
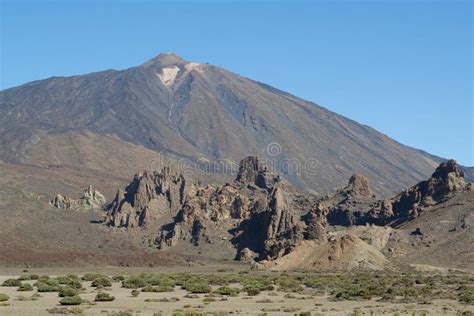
224,207
316,221
264,218
271,232
253,171
282,230
90,200
358,186
147,198
262,214
446,181
349,205
357,205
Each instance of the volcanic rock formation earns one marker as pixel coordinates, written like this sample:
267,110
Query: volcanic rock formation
90,200
349,205
444,183
264,219
356,205
149,196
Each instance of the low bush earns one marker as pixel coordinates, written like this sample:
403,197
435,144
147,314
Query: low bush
11,282
25,287
27,277
198,287
225,290
67,291
101,282
252,291
92,276
72,276
63,280
466,294
42,287
104,297
75,284
50,282
71,300
135,293
4,297
134,283
158,288
118,278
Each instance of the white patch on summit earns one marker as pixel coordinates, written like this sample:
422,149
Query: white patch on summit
191,66
168,75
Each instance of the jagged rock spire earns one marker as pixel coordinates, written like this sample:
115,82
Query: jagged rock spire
146,197
253,171
359,185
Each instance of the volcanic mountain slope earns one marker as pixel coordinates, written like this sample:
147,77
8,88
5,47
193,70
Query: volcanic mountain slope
192,111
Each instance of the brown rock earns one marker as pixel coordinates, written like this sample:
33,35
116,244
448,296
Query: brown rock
359,185
90,200
253,171
146,198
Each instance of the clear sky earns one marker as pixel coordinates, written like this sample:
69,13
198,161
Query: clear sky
402,67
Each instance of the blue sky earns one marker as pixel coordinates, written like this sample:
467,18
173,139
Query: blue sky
402,67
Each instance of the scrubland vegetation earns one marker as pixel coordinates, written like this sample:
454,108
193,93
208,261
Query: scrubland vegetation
270,290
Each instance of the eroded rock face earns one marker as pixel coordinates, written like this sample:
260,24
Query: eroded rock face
146,198
356,205
359,186
217,207
349,205
441,186
262,217
253,171
316,222
90,200
273,231
283,230
262,214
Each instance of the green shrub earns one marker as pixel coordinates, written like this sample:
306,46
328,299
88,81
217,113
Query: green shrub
72,276
63,279
135,292
134,283
71,300
198,287
91,276
24,277
50,282
42,287
24,287
101,282
11,282
41,279
67,291
104,297
75,284
166,281
252,291
466,294
158,288
4,297
118,278
225,290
